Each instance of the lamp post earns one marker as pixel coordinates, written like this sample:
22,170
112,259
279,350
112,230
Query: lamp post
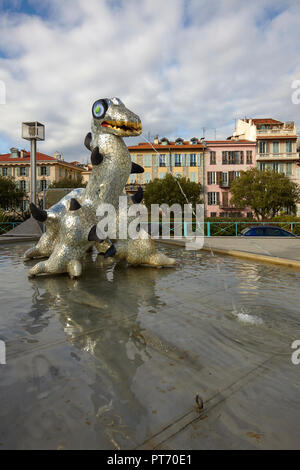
33,131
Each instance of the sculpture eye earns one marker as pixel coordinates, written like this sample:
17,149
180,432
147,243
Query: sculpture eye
99,109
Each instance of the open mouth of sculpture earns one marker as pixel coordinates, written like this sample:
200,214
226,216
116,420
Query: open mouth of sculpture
127,128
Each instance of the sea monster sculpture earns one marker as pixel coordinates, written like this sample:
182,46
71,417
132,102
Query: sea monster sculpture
71,223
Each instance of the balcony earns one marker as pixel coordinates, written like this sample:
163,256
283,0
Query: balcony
276,132
224,184
262,157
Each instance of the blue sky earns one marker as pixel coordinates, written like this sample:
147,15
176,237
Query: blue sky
182,65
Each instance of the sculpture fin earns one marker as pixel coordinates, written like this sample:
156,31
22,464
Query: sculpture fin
138,196
74,205
93,237
88,140
135,168
110,252
96,157
37,213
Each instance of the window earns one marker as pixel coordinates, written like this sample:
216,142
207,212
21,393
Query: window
211,177
212,158
66,173
147,160
275,147
23,185
162,175
249,157
289,169
4,172
162,160
177,159
43,170
213,199
236,174
213,214
233,158
193,161
22,171
263,147
147,177
289,146
225,178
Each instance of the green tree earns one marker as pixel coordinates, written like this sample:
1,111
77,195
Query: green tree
10,195
167,191
265,192
69,183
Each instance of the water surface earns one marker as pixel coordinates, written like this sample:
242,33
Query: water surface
114,359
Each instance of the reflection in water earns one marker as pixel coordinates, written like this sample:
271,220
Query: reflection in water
99,315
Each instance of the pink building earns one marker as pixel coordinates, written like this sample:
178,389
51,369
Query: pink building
224,160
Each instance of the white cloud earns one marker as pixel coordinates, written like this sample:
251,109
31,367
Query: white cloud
181,65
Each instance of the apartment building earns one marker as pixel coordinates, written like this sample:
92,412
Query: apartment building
16,164
224,161
180,158
276,145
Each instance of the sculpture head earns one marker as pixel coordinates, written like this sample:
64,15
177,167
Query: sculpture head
110,116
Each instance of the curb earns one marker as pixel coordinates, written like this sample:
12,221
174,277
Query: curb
243,254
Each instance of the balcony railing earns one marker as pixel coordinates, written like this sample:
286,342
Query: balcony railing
278,156
275,132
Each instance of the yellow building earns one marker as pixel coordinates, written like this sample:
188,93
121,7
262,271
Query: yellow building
16,164
180,158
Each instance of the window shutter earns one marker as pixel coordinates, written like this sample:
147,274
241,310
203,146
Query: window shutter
168,159
218,199
183,159
1,172
173,159
9,171
147,160
241,157
230,176
27,186
39,170
208,177
48,170
219,177
187,159
198,159
18,171
156,160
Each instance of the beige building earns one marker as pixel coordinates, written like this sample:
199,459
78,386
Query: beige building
16,164
276,145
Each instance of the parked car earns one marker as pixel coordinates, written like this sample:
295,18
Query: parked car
266,231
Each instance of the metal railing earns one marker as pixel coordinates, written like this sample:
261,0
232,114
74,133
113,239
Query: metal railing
231,229
6,226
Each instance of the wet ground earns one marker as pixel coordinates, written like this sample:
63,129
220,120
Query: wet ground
116,359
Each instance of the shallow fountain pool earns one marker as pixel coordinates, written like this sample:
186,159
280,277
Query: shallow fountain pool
116,359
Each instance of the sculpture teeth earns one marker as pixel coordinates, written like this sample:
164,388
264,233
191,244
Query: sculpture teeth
126,128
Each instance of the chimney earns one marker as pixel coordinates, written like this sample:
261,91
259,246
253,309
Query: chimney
57,155
22,153
14,152
156,140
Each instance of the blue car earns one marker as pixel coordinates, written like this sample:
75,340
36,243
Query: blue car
266,231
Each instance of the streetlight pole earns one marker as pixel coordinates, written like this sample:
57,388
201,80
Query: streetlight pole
33,131
33,171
